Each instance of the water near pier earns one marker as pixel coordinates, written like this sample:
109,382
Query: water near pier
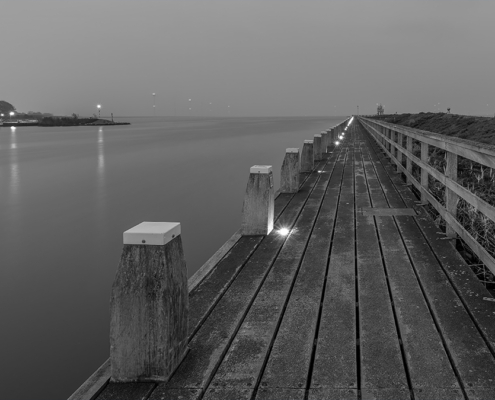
66,196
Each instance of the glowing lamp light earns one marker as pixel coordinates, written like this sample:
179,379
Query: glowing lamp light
337,143
283,231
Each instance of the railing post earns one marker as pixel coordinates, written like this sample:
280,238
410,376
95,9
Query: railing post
424,172
317,147
400,156
289,175
258,207
397,153
324,141
408,160
307,158
451,198
149,305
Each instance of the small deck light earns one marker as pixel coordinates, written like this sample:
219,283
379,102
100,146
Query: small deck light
283,231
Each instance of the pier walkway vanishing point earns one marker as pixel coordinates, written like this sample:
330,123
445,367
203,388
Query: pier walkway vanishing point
354,294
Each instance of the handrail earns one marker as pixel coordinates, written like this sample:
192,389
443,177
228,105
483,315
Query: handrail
390,137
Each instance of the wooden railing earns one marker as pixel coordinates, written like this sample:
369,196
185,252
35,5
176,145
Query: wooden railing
390,137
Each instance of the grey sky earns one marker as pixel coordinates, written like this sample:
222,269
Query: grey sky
260,57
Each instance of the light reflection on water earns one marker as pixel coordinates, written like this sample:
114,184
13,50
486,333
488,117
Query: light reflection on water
14,168
73,191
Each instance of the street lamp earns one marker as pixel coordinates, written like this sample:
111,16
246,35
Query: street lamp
12,113
99,109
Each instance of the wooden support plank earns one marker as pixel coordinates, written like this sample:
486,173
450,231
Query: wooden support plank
451,198
332,394
335,365
126,391
428,364
244,361
424,172
460,334
280,394
408,160
211,341
386,394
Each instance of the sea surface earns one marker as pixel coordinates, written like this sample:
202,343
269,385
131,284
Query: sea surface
66,196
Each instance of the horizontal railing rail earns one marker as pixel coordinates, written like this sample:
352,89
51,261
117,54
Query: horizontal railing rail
390,138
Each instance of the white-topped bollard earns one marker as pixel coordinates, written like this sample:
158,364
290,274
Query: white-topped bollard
307,158
317,147
324,141
289,177
258,209
149,305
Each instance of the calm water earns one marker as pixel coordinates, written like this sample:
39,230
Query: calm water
66,196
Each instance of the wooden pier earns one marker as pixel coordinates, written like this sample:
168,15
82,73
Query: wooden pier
354,294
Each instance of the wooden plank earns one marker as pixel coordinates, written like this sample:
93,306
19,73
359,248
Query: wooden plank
212,340
335,364
228,394
428,363
467,286
206,295
375,189
206,268
244,361
126,391
280,394
94,384
386,394
369,211
290,358
438,394
161,393
332,394
460,334
381,360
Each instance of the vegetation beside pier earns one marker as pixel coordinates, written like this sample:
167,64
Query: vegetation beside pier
478,179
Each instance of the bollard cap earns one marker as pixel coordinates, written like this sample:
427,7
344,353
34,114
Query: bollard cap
308,141
323,132
260,169
152,233
317,135
292,150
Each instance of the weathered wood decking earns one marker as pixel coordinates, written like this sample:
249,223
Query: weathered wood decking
362,300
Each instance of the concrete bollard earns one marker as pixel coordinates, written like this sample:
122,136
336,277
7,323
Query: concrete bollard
329,138
290,172
149,305
259,202
324,142
317,148
307,158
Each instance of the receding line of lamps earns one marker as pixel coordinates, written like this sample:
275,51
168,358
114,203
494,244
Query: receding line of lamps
99,110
